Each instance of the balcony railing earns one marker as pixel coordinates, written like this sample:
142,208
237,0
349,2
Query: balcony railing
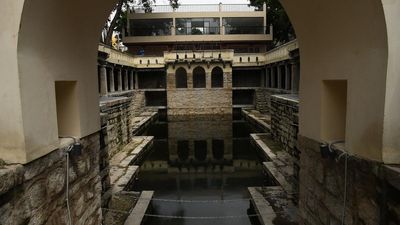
246,30
198,8
197,30
228,30
150,31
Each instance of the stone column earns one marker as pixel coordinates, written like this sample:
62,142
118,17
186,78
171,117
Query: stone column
136,80
280,77
295,76
126,80
208,79
103,80
119,79
263,79
288,84
131,79
273,76
112,85
190,80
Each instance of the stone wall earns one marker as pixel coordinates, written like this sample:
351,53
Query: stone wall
201,102
34,193
370,197
285,122
263,98
207,101
116,116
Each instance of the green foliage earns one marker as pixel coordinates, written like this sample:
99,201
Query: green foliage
276,15
118,23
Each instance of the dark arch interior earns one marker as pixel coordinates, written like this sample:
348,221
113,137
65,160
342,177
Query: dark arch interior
217,77
180,78
199,77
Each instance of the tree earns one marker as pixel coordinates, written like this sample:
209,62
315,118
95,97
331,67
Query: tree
276,15
117,21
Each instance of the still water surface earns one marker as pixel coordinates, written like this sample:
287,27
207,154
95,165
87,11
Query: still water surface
196,161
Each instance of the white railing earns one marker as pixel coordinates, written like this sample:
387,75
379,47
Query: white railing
199,8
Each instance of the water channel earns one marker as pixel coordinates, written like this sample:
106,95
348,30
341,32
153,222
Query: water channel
199,171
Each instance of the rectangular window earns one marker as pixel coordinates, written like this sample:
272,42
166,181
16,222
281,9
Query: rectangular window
197,26
67,107
150,27
333,110
244,25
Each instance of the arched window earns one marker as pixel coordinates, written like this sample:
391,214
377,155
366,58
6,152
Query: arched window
183,150
180,78
199,77
200,150
217,77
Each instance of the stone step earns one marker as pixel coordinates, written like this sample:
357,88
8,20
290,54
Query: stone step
278,177
138,213
261,206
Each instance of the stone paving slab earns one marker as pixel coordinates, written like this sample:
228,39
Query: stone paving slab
121,169
137,214
279,165
260,120
261,206
273,205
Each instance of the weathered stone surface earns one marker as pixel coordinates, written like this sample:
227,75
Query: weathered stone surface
322,196
35,193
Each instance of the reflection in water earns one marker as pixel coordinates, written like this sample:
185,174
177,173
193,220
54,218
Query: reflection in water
200,160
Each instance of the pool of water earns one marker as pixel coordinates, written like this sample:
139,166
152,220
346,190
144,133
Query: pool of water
199,171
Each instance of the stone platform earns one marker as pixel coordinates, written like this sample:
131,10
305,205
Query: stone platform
261,121
273,206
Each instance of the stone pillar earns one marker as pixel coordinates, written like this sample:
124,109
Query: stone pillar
273,76
131,79
208,79
280,77
119,79
126,80
136,80
103,80
112,85
295,77
190,80
263,79
288,84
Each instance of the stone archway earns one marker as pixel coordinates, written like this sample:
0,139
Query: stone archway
353,41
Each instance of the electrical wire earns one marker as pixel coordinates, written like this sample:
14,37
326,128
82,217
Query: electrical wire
197,217
345,189
67,185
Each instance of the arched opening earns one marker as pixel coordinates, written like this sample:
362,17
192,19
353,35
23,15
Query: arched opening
217,77
183,150
364,33
218,148
200,150
199,77
181,78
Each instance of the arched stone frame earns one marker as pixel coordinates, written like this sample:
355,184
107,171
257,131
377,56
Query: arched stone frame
181,80
199,77
326,51
217,77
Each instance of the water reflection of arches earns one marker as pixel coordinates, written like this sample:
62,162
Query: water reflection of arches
200,150
217,77
218,149
199,77
181,78
183,150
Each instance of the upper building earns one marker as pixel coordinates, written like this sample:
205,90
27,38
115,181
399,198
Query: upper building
240,27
